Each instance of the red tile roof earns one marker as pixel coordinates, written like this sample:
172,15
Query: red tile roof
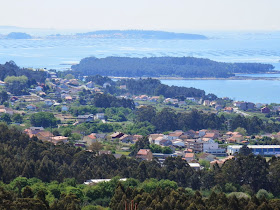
189,155
143,152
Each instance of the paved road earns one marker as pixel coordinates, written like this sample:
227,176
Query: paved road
240,112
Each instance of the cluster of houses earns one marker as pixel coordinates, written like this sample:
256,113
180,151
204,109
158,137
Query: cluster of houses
125,138
169,101
193,146
6,110
45,135
241,105
197,141
90,117
201,145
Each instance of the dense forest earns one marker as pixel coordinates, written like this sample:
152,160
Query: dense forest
151,87
46,176
188,67
167,119
23,193
106,101
154,87
11,69
21,156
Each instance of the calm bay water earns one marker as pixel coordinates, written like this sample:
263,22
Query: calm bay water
225,47
256,91
260,75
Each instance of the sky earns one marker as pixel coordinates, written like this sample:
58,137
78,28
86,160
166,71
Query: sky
171,15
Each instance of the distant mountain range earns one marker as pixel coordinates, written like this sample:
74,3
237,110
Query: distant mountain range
16,35
139,34
102,34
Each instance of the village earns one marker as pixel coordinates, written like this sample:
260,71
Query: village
200,148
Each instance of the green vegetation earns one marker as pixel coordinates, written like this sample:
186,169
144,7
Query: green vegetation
105,101
23,193
43,119
17,85
154,87
32,158
165,66
167,119
42,175
3,96
11,69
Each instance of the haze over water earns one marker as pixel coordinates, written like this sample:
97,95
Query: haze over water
226,47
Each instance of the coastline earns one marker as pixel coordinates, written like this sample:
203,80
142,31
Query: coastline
201,78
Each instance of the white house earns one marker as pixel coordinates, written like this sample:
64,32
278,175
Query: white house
90,84
266,150
31,107
64,108
38,88
99,116
48,102
195,166
178,143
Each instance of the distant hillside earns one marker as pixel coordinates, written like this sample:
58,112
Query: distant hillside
18,35
138,34
187,67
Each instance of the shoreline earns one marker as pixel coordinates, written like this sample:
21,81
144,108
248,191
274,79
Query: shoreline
201,78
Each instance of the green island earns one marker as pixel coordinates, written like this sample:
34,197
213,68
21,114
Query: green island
184,67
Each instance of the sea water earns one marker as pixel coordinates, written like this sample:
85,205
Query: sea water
226,47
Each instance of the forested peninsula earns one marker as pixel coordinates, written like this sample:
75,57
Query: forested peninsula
187,67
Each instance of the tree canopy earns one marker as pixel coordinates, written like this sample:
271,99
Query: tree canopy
165,66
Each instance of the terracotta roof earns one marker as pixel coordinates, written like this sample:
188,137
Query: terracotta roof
136,137
123,137
92,136
209,135
189,155
154,136
236,136
177,134
222,160
159,138
43,135
143,152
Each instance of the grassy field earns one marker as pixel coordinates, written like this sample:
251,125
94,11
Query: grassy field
122,153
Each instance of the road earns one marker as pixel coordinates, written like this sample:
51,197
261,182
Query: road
240,112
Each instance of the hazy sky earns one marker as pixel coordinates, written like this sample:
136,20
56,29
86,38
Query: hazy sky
178,15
